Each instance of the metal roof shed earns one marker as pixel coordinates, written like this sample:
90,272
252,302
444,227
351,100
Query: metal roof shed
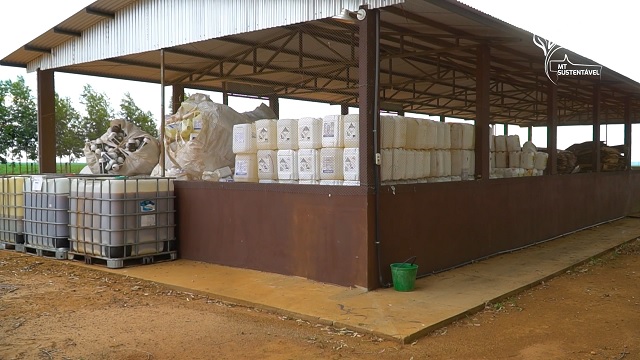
430,56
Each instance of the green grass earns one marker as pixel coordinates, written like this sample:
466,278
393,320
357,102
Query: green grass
25,168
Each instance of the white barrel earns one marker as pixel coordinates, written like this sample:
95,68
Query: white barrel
287,134
500,143
386,131
540,160
513,143
399,164
309,164
514,159
411,162
468,137
527,160
399,131
310,133
331,163
440,127
426,165
332,127
386,167
351,164
266,134
287,165
351,131
419,164
447,136
502,159
456,136
244,139
412,133
267,164
246,168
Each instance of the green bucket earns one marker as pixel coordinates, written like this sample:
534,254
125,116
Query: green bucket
404,276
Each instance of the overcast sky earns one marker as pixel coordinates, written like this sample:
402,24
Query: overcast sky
603,31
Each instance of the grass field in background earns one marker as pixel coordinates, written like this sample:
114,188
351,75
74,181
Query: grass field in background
25,168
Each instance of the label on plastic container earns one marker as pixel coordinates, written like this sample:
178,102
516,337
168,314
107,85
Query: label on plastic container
238,137
147,206
305,165
242,167
351,132
147,220
328,165
284,165
350,163
263,135
285,134
329,129
264,166
36,183
305,133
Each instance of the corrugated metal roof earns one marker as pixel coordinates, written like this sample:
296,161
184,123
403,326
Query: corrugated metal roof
428,56
146,25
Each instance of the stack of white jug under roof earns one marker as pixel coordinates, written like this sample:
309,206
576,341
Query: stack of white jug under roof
422,150
320,151
509,159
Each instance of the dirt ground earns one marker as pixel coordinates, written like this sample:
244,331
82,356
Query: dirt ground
51,309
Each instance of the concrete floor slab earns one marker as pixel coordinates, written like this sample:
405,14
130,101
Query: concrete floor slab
403,316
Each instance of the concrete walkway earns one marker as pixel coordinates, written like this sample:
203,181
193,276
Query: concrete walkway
436,301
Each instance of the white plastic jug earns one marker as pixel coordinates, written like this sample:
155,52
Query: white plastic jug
399,131
351,131
430,130
287,134
351,164
513,143
332,127
267,164
310,133
331,164
413,133
514,159
386,132
411,165
399,164
287,165
440,141
266,134
244,139
456,136
386,166
540,160
447,136
447,162
426,165
500,143
527,160
419,164
502,159
468,137
309,164
246,168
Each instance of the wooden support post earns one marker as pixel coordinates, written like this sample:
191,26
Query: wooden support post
552,128
225,94
177,97
368,96
344,109
46,122
597,165
506,129
530,133
442,118
627,133
483,114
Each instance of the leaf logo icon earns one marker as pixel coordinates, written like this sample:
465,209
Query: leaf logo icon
548,49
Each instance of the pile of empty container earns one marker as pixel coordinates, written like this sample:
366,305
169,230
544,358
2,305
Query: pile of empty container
115,221
320,151
509,159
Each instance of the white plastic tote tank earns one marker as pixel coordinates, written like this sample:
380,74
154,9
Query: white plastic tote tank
11,209
46,211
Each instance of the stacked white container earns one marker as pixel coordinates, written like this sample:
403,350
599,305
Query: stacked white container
245,147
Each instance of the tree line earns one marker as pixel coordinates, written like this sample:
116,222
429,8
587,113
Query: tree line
19,121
